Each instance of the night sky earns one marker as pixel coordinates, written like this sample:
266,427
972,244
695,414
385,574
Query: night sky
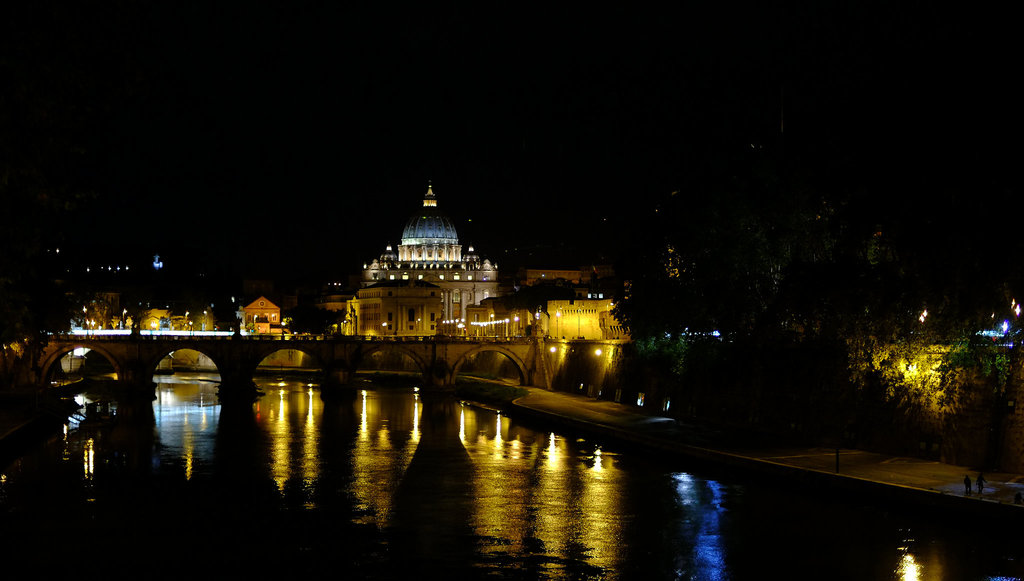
297,138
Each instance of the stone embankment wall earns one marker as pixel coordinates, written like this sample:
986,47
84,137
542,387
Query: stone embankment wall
1010,445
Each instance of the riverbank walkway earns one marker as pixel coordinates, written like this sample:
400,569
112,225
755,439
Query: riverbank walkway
922,483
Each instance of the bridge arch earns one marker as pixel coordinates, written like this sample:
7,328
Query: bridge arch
423,366
53,357
313,354
312,359
148,365
517,362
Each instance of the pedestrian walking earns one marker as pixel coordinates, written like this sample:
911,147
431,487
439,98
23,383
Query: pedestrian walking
967,485
981,482
1017,498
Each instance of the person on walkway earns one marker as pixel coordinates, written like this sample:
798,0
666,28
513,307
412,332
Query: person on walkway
1017,498
967,485
981,482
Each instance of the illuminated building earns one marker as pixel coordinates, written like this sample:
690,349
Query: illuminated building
397,308
430,252
583,319
261,316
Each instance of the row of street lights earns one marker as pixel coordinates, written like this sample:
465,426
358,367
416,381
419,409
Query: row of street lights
91,324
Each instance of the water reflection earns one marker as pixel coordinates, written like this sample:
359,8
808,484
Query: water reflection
186,413
908,569
392,475
702,502
537,497
387,440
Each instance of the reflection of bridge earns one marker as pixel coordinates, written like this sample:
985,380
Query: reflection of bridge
439,359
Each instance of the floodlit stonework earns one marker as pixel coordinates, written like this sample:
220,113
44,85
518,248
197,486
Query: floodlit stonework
430,252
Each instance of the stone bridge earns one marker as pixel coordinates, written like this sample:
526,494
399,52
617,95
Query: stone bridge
135,357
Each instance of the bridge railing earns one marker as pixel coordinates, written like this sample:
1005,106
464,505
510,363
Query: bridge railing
127,335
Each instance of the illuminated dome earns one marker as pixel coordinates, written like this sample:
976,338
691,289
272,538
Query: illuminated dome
429,226
429,253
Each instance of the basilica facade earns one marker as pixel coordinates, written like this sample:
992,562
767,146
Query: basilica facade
430,252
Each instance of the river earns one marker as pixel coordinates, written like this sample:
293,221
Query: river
398,483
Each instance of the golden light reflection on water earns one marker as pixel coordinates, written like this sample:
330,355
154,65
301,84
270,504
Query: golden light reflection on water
89,458
498,445
462,423
311,439
363,426
552,452
908,570
416,418
277,420
293,426
380,457
534,492
188,447
603,521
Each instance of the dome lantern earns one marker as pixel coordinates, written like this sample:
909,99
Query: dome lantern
429,226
